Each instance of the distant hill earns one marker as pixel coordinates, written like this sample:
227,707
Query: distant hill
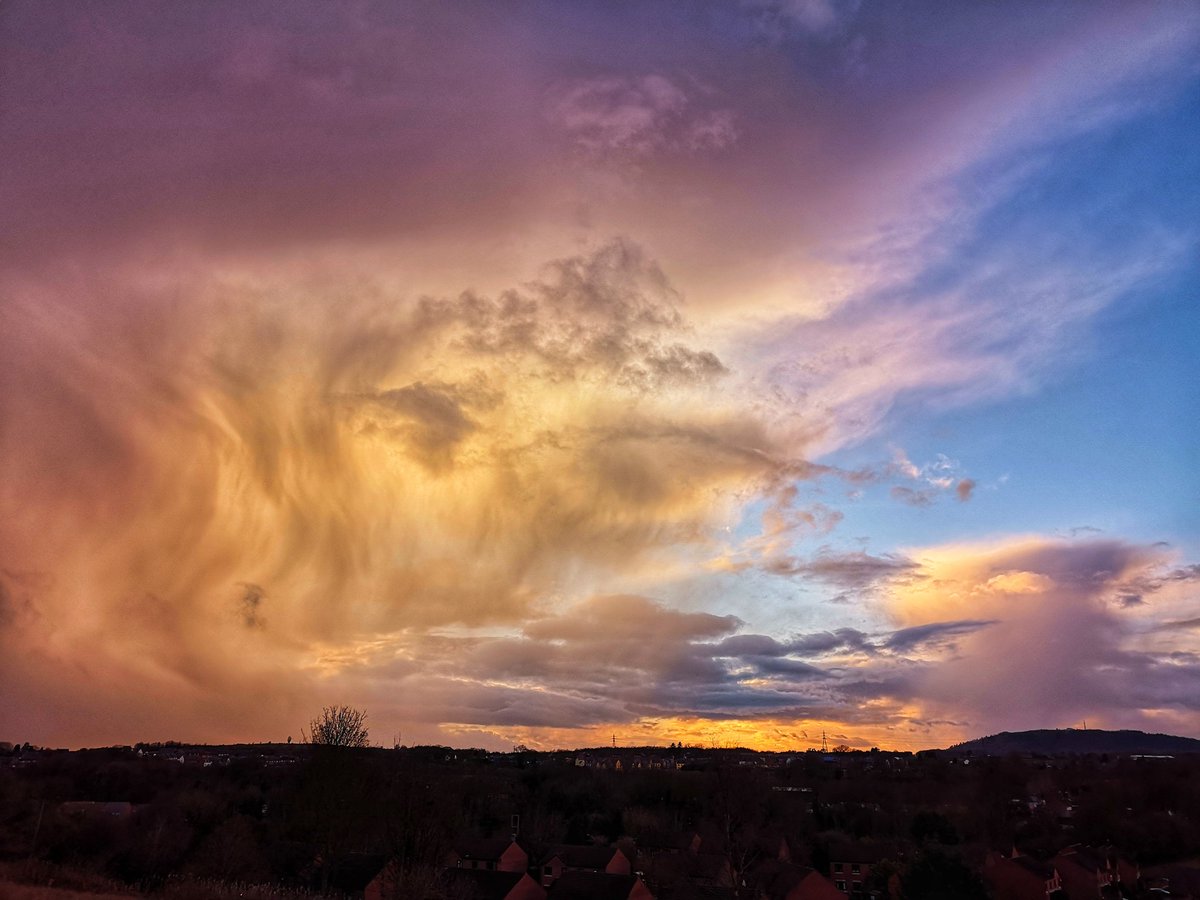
1073,740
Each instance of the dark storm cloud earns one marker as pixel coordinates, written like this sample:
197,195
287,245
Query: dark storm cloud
251,604
1134,592
856,570
842,639
907,639
630,656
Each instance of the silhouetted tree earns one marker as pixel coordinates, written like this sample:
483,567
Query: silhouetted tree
231,852
928,825
884,878
936,875
339,726
739,806
420,812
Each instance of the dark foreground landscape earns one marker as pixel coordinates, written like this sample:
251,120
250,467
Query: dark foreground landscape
1034,815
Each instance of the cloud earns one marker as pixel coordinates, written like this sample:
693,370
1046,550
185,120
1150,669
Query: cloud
1044,645
251,605
1180,625
638,117
623,661
1019,582
821,643
1135,590
271,127
855,570
808,17
386,464
434,420
628,617
934,311
931,480
907,639
912,497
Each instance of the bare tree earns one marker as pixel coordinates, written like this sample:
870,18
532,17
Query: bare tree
339,726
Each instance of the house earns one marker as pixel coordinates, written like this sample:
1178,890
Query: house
1129,873
675,842
686,874
583,858
704,892
776,846
779,880
480,884
711,868
850,865
1088,873
355,875
477,884
489,854
598,886
1022,878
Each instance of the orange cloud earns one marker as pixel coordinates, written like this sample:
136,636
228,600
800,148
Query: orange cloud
213,492
1061,648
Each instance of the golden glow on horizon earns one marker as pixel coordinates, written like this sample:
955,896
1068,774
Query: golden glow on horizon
753,734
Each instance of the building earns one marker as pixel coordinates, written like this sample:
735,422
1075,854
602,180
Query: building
489,854
598,886
851,863
778,880
1088,873
1022,878
480,884
583,858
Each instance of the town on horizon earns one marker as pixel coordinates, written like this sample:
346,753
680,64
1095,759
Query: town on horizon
1043,741
330,821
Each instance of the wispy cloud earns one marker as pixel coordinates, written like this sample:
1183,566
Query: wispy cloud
617,115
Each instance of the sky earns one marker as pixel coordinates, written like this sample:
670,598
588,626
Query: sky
733,373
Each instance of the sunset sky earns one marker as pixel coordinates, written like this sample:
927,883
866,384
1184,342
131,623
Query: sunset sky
725,372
